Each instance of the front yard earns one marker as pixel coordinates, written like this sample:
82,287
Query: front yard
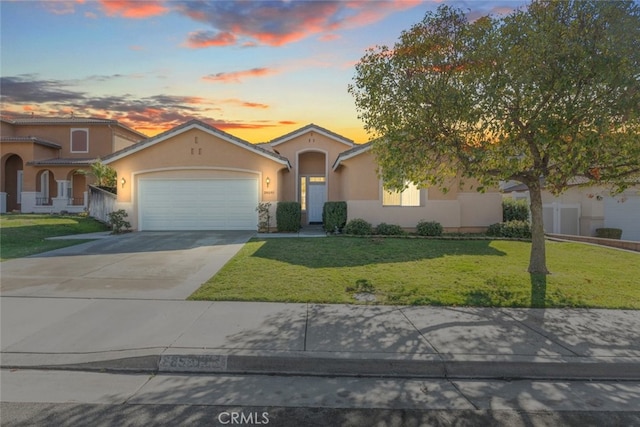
419,271
23,235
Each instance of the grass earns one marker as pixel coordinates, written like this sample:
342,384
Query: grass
426,272
23,235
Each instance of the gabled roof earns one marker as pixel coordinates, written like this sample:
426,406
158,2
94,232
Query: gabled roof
355,151
31,139
308,128
195,124
66,121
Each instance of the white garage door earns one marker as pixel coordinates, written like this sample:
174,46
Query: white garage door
206,204
624,215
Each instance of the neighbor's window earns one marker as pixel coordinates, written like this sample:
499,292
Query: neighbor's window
79,140
409,197
303,193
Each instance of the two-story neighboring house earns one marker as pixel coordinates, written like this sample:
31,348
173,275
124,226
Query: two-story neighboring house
40,159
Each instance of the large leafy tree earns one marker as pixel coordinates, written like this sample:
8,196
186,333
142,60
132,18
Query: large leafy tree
548,94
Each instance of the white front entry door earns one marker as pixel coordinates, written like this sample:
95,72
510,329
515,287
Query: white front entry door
317,197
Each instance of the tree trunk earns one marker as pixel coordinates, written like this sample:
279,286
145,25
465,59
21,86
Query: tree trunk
538,258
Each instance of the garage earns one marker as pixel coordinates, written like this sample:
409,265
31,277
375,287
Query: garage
624,215
197,204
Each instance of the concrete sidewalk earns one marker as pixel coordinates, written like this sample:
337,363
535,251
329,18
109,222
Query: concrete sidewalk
155,336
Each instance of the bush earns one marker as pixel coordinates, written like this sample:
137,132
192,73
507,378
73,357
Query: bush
117,221
288,216
385,229
264,217
609,233
515,210
429,228
358,226
334,216
513,229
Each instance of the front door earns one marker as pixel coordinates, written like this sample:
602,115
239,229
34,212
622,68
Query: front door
317,197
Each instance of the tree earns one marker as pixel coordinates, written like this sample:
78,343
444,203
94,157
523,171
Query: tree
105,175
549,93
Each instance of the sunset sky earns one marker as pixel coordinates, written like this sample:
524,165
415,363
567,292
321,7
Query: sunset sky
255,69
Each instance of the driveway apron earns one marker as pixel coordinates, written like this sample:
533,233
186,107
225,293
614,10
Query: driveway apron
145,265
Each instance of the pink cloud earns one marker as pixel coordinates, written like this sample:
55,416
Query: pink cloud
238,76
245,104
133,8
277,23
200,39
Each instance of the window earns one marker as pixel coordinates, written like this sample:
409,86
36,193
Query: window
409,197
303,193
317,179
79,140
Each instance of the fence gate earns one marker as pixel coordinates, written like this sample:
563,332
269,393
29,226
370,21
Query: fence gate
561,218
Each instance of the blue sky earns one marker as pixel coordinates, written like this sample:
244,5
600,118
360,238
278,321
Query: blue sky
256,69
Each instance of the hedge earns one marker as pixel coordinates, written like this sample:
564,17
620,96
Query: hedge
515,229
429,228
334,216
288,216
358,226
515,210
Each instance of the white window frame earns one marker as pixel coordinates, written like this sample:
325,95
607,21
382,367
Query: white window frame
86,130
406,199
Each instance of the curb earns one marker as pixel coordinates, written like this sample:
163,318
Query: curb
380,368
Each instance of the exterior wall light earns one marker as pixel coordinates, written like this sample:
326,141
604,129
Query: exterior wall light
123,181
268,181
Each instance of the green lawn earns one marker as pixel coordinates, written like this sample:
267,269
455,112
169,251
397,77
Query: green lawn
22,235
424,271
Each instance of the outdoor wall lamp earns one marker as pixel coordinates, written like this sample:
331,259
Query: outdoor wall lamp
268,181
123,181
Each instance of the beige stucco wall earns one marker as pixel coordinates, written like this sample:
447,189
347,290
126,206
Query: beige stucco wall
100,138
304,155
457,209
7,129
446,212
27,151
190,155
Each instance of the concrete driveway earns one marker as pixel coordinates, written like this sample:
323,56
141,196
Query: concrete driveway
145,265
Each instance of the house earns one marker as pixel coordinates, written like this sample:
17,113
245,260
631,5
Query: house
41,158
197,177
580,210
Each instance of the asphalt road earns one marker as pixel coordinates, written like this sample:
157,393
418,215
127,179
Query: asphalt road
66,398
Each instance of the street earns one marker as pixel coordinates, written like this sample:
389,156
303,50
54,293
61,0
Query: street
72,398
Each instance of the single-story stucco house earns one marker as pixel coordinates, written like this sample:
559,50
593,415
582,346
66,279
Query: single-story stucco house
197,177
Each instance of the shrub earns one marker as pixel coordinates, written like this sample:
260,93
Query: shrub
288,216
264,217
515,210
513,229
385,229
117,221
609,233
334,216
429,228
358,226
